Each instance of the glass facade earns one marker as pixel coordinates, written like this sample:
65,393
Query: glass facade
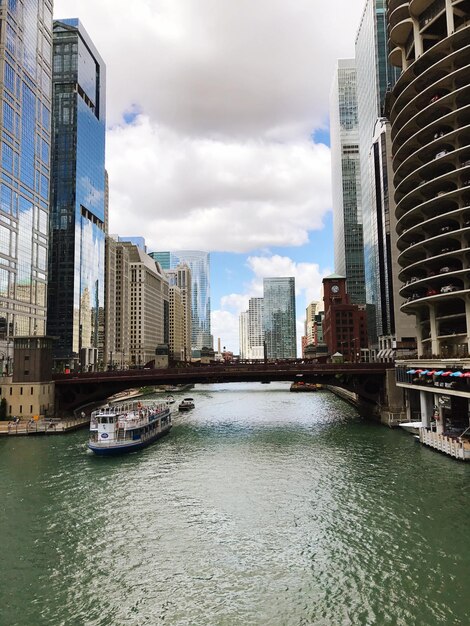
199,264
347,212
279,318
77,254
375,76
25,119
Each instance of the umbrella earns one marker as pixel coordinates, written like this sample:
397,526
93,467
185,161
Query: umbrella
446,373
457,374
423,372
439,373
466,374
431,372
411,372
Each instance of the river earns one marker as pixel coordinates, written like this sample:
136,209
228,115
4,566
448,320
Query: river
261,507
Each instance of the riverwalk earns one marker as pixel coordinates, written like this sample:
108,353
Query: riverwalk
54,426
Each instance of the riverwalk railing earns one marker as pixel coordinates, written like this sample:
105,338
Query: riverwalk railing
42,426
453,446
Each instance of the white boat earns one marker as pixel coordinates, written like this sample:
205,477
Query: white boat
411,427
170,400
119,428
186,405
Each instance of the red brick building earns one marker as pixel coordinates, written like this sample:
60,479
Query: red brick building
344,324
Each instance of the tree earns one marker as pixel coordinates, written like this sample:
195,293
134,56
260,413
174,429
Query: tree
3,409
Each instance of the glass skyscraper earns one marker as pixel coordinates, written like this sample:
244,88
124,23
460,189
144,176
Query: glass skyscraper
279,317
25,95
77,253
347,212
199,264
375,76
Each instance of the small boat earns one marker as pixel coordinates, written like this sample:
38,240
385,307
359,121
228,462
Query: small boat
186,404
411,427
126,427
170,400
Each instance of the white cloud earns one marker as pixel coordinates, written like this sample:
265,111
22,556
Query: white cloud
194,192
229,93
220,66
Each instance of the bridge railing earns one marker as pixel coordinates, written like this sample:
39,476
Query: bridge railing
301,368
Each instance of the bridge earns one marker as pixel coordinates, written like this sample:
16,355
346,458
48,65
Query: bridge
367,380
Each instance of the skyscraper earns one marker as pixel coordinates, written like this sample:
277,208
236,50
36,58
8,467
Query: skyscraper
279,318
25,94
375,76
347,213
77,257
244,347
180,277
199,264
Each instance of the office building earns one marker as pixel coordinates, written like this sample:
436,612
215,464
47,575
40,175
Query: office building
78,194
117,305
346,181
25,94
396,333
180,278
279,320
430,43
375,77
199,265
149,317
244,346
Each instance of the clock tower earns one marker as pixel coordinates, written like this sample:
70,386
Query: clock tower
344,324
334,290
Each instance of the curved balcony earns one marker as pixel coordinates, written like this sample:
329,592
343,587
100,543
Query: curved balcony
445,128
442,256
401,31
433,231
395,57
443,95
394,4
397,15
419,6
416,303
446,165
420,74
436,190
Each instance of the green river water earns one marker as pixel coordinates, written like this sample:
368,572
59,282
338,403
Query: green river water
261,507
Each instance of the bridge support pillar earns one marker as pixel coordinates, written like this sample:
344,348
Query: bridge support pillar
392,410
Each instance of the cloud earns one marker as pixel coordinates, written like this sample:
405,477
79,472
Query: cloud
235,196
211,105
221,67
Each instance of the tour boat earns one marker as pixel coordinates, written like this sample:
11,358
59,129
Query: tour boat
119,428
186,405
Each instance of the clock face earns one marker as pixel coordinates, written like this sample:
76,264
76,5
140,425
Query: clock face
335,289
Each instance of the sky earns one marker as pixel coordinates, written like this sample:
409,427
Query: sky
217,134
